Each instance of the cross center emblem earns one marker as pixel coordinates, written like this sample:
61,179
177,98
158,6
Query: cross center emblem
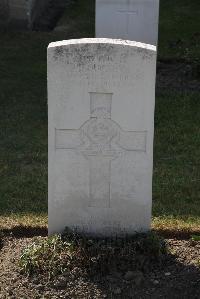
100,140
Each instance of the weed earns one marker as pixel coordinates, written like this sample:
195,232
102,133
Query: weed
49,255
59,254
195,238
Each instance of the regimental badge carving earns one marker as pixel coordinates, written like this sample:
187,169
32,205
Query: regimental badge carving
100,140
99,134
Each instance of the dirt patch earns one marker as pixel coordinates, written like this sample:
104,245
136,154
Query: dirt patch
178,276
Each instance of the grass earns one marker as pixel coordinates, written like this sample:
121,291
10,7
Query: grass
23,121
179,34
79,19
176,181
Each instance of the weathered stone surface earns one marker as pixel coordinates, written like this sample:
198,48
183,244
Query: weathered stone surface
128,19
101,96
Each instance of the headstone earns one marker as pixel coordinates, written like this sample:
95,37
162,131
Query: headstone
101,95
135,20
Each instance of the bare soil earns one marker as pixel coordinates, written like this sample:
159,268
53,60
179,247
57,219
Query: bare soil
178,276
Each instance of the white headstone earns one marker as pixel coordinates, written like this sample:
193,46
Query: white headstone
101,124
135,20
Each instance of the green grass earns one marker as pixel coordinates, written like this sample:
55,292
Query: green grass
23,121
179,34
78,20
176,184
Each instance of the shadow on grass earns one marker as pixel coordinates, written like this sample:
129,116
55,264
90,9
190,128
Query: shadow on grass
20,231
25,231
176,234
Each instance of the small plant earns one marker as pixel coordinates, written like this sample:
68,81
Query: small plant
195,238
152,245
49,255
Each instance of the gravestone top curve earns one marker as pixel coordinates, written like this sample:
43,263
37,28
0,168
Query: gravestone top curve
107,41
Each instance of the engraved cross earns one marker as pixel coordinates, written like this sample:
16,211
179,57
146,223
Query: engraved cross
100,140
128,14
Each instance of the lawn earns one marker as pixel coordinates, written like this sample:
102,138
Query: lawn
23,120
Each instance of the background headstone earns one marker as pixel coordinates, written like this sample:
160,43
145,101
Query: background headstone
135,20
101,95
